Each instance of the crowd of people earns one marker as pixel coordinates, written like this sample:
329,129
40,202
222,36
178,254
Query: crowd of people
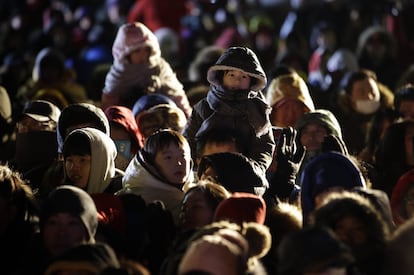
206,137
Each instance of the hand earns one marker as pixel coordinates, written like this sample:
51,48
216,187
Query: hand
288,156
288,149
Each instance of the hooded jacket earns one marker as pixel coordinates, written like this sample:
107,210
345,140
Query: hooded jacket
50,73
328,170
103,153
153,77
323,117
289,86
354,125
245,112
124,117
80,114
143,179
75,201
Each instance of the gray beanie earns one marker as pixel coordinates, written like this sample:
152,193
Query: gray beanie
75,201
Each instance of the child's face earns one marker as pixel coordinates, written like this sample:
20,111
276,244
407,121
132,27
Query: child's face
140,56
236,80
77,169
174,163
195,210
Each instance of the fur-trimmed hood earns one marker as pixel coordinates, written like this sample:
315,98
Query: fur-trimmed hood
241,59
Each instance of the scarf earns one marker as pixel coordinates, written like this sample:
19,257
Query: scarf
122,78
242,103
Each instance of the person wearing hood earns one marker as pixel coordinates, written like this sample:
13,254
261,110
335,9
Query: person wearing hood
376,50
314,250
160,116
160,170
362,97
357,223
290,98
139,69
235,102
72,117
125,134
324,174
80,115
51,75
312,128
89,161
68,217
340,63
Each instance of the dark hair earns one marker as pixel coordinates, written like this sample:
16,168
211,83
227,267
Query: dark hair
353,77
76,143
17,192
405,93
219,136
377,126
213,192
160,140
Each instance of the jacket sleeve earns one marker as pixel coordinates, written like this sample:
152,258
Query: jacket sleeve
193,125
173,88
261,149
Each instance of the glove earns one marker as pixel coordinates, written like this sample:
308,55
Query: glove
289,155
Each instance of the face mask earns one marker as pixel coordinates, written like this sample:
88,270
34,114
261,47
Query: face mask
123,157
123,147
35,148
367,107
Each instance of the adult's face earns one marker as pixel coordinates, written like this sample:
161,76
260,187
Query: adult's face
62,231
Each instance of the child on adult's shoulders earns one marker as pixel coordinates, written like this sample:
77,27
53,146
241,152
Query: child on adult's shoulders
235,102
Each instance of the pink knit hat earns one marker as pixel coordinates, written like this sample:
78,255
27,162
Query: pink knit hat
132,36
